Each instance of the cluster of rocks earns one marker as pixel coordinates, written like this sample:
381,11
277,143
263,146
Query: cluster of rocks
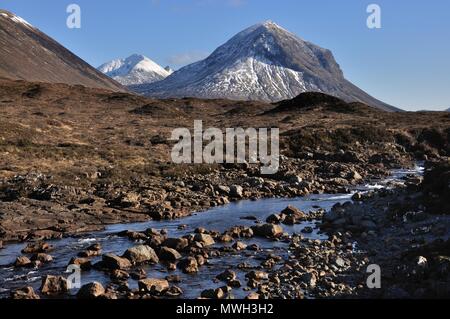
36,254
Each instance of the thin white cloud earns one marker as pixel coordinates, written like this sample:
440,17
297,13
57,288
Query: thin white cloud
185,58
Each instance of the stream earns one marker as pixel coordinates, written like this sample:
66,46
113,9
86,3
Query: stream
218,219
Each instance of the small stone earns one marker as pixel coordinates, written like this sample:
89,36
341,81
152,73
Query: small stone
84,263
22,261
119,275
54,285
112,261
227,275
24,293
268,230
152,285
236,191
91,291
169,254
178,244
188,265
309,279
257,275
213,294
340,262
141,254
174,291
422,261
205,239
239,246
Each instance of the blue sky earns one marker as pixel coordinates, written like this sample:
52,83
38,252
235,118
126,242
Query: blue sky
406,63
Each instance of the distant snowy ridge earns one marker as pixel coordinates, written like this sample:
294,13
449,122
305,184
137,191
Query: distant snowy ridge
136,69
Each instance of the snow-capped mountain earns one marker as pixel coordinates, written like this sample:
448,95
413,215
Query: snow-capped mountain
264,62
136,69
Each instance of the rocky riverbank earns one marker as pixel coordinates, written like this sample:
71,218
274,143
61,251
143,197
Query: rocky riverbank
400,230
378,227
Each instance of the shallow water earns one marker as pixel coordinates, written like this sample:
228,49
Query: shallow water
219,219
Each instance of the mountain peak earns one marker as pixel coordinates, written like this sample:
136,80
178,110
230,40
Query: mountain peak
269,24
264,62
135,69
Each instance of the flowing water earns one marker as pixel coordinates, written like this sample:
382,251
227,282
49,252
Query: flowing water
219,219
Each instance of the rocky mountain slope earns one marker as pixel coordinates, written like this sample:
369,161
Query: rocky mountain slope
136,69
266,63
28,54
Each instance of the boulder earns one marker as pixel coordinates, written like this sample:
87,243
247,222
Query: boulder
22,261
152,285
52,285
188,265
111,261
169,254
141,254
239,246
24,293
294,211
236,191
91,291
257,275
176,243
205,239
174,291
227,275
223,189
213,294
120,275
84,263
268,230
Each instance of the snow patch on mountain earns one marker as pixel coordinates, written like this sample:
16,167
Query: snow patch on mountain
136,69
17,19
